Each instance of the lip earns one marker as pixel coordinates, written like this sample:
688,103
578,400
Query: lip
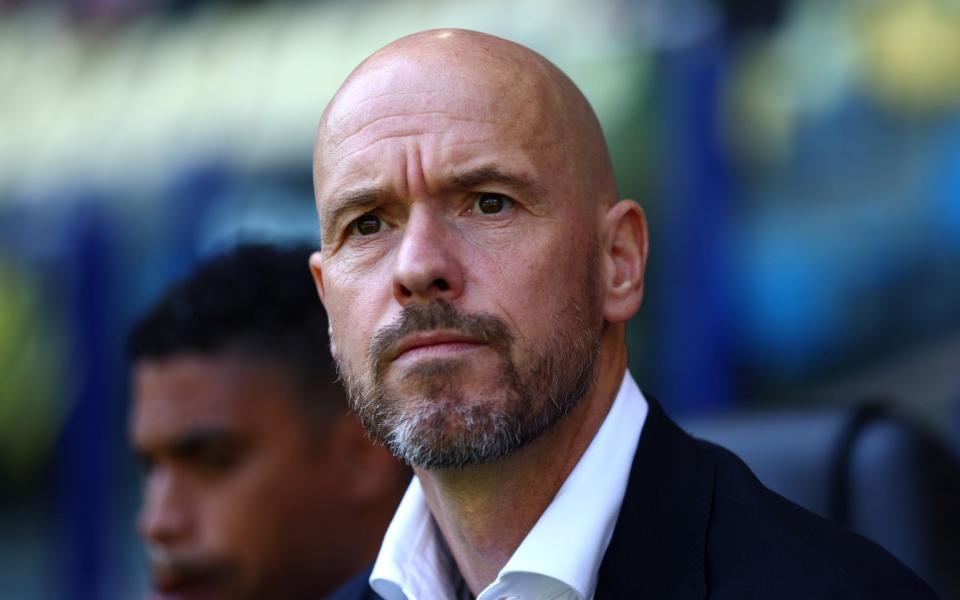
434,343
172,586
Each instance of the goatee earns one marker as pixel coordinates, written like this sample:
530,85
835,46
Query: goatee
427,418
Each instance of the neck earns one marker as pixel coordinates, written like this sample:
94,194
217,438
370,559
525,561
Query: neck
485,511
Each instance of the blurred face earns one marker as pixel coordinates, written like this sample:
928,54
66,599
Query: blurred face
459,263
235,493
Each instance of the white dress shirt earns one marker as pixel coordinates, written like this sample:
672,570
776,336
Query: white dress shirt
558,559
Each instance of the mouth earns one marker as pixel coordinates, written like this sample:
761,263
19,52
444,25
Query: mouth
170,585
433,344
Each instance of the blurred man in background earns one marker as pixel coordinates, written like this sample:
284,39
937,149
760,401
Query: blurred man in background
258,482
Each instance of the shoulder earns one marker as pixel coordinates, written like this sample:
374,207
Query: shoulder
698,523
357,588
760,542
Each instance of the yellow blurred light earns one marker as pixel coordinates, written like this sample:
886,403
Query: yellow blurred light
911,53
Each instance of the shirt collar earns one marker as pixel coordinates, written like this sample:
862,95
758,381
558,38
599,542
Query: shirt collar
414,562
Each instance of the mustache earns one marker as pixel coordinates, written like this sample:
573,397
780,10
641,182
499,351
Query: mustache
439,314
170,571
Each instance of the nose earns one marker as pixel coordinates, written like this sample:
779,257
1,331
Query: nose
428,264
164,516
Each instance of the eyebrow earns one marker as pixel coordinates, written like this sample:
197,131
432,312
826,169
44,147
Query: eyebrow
191,442
361,199
197,439
350,200
491,174
347,202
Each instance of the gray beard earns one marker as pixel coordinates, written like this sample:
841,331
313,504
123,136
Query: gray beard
437,427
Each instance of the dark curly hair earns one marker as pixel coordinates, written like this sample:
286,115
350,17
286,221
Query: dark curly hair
257,301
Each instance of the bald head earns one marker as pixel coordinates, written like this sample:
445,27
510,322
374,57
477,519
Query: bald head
471,75
476,264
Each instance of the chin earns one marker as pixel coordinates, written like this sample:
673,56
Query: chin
453,430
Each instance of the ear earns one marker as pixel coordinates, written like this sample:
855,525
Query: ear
316,270
625,258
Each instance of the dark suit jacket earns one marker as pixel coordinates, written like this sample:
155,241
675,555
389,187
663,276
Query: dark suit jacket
696,523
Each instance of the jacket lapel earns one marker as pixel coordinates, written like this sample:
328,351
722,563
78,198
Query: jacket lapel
658,548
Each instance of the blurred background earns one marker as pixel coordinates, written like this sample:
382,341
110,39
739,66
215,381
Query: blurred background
799,161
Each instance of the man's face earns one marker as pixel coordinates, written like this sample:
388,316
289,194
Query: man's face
235,492
459,263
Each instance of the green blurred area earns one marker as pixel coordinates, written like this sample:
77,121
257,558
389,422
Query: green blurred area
31,377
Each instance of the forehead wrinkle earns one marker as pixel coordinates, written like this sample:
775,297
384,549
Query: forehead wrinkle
330,203
400,134
388,86
337,117
382,86
375,143
331,147
327,158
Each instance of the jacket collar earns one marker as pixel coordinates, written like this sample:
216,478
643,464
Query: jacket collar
658,548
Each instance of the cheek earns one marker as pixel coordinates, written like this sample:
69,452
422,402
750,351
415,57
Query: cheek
229,519
247,519
356,307
532,282
297,503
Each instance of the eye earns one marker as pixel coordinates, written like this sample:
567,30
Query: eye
146,463
215,459
367,224
489,203
211,455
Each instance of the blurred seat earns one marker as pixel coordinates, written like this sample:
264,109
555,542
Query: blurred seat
865,468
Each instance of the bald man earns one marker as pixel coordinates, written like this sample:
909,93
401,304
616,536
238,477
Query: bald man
478,269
